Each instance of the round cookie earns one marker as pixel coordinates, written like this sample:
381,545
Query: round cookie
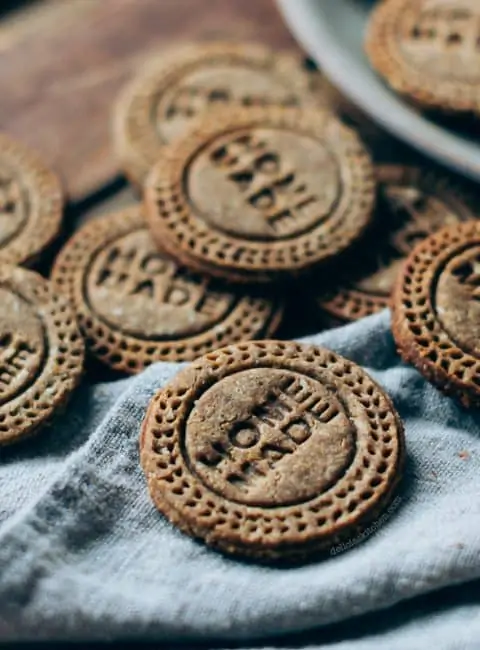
31,204
135,306
158,105
261,195
412,204
272,449
41,352
428,50
436,311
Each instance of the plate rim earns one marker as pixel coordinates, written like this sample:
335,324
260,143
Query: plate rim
395,115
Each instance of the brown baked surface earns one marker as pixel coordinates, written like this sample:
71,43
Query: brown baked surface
436,311
135,306
31,204
261,195
41,352
412,203
272,449
178,84
428,51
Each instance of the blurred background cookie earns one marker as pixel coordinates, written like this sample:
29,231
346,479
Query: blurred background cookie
412,203
179,84
31,204
428,50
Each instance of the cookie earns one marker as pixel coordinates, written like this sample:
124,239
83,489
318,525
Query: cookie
157,107
412,204
31,204
428,51
272,449
135,306
436,311
261,195
41,352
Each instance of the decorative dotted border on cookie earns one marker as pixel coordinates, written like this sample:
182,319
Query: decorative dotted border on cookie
385,56
180,231
137,142
352,304
349,303
62,369
45,196
250,318
361,493
420,337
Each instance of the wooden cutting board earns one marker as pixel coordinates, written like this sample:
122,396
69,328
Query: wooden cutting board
62,63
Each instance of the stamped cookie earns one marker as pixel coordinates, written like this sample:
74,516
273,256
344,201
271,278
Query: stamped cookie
261,195
436,311
31,204
429,51
158,105
412,204
135,306
271,449
41,352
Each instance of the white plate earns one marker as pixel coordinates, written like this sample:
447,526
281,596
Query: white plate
332,32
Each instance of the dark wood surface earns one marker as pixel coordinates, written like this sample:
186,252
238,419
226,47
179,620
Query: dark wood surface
62,63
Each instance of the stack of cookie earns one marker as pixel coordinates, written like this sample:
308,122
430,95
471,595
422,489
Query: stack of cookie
248,182
250,185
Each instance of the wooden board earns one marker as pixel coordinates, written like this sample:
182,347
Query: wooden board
62,63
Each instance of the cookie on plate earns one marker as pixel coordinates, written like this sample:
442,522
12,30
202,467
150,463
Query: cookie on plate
31,204
436,311
41,352
261,195
412,204
272,449
135,306
428,51
158,105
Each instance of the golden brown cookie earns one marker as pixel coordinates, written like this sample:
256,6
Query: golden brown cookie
436,311
135,306
158,105
41,352
272,449
31,204
262,194
412,204
428,50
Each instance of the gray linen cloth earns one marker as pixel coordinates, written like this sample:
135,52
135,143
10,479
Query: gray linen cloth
85,555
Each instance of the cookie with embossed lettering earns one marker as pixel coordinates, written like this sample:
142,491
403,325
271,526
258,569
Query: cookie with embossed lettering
135,306
412,204
428,50
31,204
272,449
436,311
41,352
157,107
261,195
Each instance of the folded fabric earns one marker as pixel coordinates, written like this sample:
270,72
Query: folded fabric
85,555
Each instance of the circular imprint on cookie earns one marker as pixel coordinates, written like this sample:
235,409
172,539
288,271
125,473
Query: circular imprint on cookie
272,449
428,50
436,319
412,204
41,352
261,194
159,105
135,306
31,204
